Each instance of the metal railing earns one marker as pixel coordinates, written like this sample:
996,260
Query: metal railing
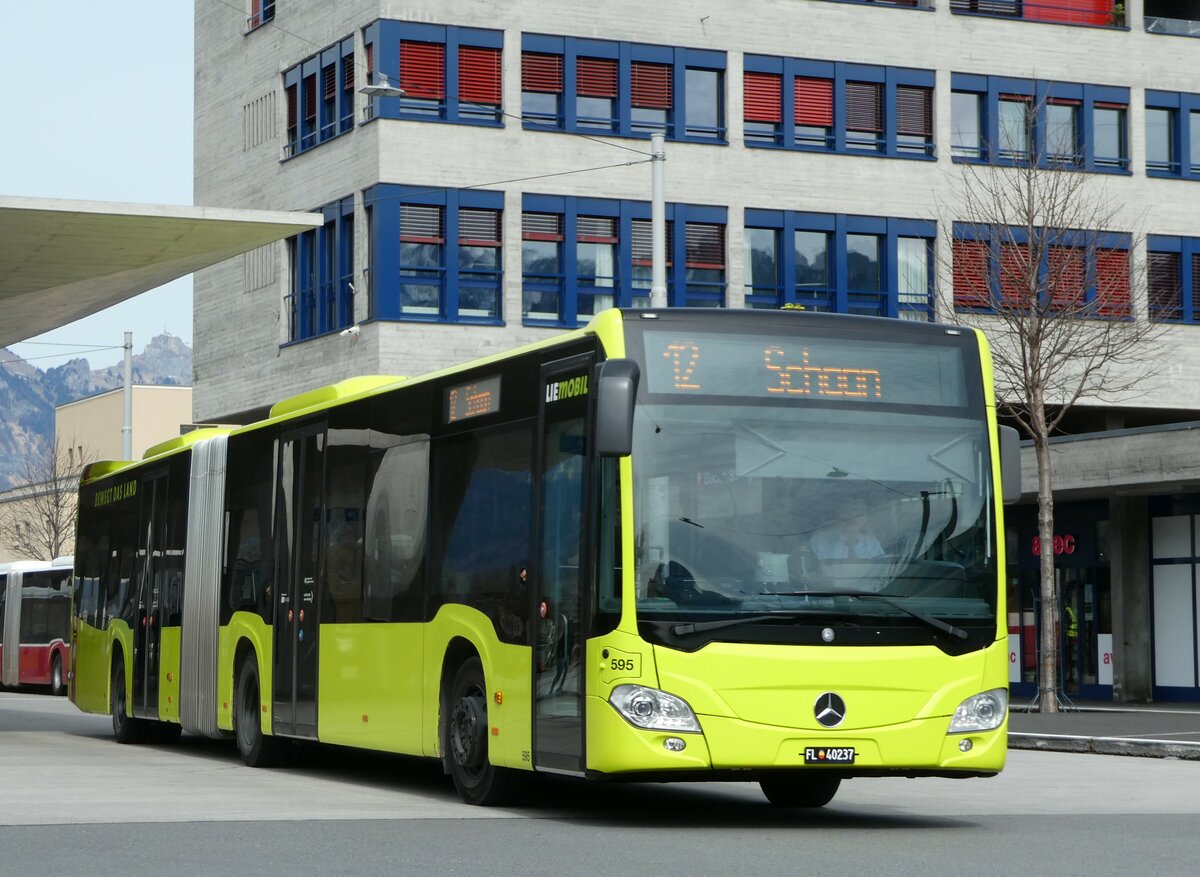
1112,16
1180,27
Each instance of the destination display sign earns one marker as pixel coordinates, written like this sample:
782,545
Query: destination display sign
473,399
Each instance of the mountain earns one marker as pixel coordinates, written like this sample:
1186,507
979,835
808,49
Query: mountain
28,395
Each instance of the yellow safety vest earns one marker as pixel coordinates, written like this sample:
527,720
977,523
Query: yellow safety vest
1072,625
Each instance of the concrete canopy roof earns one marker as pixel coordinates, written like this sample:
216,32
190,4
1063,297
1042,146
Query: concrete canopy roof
64,260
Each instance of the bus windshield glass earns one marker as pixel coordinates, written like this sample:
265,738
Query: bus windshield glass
828,479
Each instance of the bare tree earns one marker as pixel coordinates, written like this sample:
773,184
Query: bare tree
38,520
1041,263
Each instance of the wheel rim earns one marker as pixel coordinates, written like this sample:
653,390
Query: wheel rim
468,726
246,714
56,676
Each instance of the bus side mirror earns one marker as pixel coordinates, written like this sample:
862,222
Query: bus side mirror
1010,464
617,383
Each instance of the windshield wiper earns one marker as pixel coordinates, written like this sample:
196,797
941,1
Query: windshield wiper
684,629
935,623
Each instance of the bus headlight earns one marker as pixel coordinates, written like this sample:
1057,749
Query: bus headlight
982,712
654,710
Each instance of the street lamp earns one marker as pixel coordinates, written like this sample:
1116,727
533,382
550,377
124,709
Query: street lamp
382,88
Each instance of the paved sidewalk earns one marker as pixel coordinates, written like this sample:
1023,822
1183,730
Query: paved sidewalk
1147,730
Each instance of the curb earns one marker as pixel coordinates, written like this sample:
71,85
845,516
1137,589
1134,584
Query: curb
1105,746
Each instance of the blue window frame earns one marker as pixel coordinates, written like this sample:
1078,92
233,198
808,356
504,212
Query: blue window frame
435,254
319,95
1173,278
322,272
871,265
450,74
1004,121
1089,270
1173,135
833,106
582,255
623,89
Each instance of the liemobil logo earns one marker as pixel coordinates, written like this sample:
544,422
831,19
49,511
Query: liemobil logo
569,389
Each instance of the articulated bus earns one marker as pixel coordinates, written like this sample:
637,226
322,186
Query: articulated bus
674,544
35,612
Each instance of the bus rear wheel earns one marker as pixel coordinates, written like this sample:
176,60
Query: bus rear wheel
255,747
57,685
809,789
126,729
477,780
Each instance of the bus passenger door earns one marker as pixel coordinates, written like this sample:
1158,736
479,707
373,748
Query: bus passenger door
298,526
152,492
559,608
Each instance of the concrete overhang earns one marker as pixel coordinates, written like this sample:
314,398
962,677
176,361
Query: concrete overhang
64,260
1122,462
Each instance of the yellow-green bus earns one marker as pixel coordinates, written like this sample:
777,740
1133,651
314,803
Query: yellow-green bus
674,544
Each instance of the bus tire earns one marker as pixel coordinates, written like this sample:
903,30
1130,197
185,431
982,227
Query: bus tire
256,748
807,789
476,779
126,729
58,685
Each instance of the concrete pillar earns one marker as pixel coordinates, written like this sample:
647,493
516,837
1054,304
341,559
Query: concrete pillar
1129,551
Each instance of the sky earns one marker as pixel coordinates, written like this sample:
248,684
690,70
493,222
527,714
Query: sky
96,105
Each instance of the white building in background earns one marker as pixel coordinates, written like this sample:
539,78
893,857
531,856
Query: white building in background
493,190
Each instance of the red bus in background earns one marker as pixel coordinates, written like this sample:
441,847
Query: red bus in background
35,613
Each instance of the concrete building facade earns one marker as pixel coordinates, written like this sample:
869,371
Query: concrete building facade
493,187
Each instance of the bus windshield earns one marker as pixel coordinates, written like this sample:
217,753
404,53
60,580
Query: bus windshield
872,501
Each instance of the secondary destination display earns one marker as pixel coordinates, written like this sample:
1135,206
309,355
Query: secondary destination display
473,399
805,368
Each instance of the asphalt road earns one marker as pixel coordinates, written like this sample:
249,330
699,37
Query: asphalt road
73,801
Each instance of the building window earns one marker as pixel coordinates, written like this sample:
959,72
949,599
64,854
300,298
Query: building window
435,254
867,265
261,12
321,298
838,107
1096,13
580,256
1085,273
1012,121
319,96
1173,278
1173,135
447,74
625,89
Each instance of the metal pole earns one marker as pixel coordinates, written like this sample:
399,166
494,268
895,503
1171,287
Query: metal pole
127,424
658,224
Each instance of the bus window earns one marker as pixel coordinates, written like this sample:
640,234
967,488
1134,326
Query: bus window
398,480
345,480
249,556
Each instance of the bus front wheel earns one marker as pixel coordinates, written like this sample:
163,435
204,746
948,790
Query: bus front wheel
57,686
255,747
477,780
126,729
809,789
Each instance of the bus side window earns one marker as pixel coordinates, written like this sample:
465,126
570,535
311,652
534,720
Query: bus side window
394,541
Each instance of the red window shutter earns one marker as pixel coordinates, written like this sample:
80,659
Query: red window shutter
1196,286
310,98
541,226
290,94
596,230
329,75
763,97
1097,12
642,242
705,245
370,47
423,70
421,224
864,107
479,75
348,73
814,102
650,86
971,289
1065,281
478,227
914,111
1106,105
1112,283
541,73
1014,275
596,77
1164,292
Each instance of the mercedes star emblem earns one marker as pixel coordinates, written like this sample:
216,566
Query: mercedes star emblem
830,710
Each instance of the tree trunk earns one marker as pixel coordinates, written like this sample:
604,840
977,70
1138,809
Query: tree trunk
1048,664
